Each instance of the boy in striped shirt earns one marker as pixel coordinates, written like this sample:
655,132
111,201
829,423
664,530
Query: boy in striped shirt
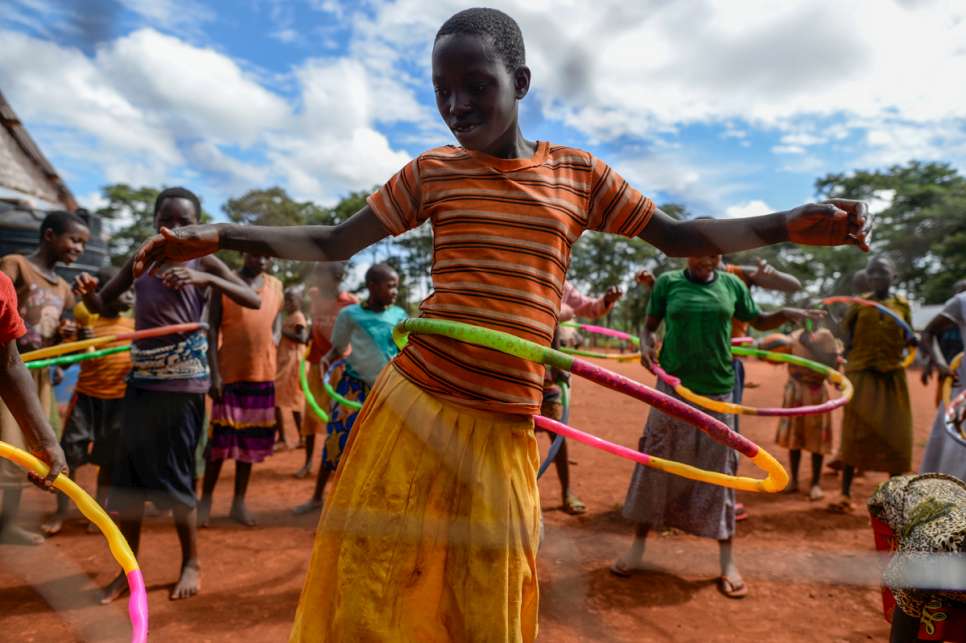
431,529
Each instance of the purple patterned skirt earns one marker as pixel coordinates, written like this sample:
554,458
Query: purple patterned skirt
243,423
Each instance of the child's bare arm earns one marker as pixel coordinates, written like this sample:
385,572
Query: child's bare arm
649,341
85,285
774,319
229,283
214,328
934,357
836,222
766,276
19,393
303,243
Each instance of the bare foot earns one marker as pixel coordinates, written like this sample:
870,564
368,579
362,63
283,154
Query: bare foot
307,507
189,584
53,524
115,590
627,564
204,513
791,488
14,535
304,472
239,513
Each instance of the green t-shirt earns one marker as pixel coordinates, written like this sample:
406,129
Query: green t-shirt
697,341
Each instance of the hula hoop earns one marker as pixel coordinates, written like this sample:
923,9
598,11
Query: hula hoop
349,404
948,381
70,347
309,396
73,359
839,380
558,439
955,420
137,605
776,478
621,335
888,312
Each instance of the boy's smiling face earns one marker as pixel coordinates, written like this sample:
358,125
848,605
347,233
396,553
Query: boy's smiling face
475,93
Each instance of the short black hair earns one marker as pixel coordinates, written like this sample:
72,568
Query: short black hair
481,21
178,193
60,221
379,271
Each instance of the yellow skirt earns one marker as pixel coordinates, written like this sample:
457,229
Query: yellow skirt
430,532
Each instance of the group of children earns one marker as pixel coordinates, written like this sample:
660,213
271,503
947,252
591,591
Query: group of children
430,531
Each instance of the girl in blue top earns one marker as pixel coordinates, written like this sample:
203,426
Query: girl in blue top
367,328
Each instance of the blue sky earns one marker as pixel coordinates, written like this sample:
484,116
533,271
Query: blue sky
731,107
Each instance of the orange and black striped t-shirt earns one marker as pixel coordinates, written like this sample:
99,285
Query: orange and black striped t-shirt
106,378
502,235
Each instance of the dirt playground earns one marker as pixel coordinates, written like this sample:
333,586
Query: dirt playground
811,574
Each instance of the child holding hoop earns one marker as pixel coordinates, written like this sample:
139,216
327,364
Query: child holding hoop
435,538
697,305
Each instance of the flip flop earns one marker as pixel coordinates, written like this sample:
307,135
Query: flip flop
729,589
573,506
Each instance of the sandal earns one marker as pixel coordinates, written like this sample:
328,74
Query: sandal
729,589
573,506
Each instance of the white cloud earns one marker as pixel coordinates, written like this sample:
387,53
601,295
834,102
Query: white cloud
748,209
788,149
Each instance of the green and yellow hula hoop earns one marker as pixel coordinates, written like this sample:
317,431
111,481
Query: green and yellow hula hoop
326,382
776,478
309,396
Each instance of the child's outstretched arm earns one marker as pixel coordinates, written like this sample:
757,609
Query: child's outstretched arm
833,223
85,285
19,393
302,243
766,276
935,361
774,319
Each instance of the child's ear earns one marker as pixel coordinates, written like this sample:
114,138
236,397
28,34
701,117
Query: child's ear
49,235
521,81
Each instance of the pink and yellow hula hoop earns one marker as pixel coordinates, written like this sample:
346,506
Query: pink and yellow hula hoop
84,344
776,478
137,605
837,379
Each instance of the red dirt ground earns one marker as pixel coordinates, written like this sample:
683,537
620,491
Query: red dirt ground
811,574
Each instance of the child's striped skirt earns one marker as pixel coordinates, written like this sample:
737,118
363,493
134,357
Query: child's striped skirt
243,422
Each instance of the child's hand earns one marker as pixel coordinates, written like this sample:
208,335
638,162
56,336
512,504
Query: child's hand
84,283
832,223
648,353
645,278
217,388
179,277
53,456
613,294
67,329
762,270
180,244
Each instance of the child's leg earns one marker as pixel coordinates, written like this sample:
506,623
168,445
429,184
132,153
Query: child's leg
634,555
571,503
731,584
316,502
55,522
132,514
848,473
212,471
794,462
309,451
239,512
817,459
10,532
189,584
